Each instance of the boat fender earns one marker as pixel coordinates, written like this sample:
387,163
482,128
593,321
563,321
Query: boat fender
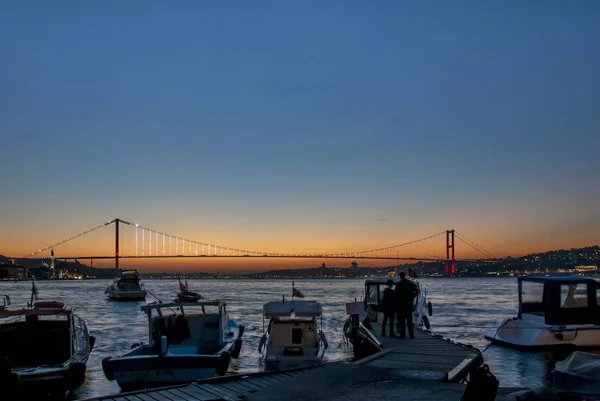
92,342
107,369
324,339
237,347
348,328
241,329
76,375
223,363
429,308
261,343
426,322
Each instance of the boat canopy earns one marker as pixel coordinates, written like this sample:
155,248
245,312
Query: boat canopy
298,308
163,305
561,300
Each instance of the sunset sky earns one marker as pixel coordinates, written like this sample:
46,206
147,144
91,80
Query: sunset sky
301,126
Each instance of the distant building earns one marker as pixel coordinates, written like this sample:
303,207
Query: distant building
354,266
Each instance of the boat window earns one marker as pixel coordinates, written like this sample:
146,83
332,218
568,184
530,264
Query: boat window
573,295
532,294
372,294
296,335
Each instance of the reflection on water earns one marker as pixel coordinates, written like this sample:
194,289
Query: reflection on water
463,309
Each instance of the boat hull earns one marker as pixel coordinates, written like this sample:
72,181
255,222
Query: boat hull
52,380
126,295
531,333
275,360
156,370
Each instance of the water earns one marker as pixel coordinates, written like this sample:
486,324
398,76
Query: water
463,309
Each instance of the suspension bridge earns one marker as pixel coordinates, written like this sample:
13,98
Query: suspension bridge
148,243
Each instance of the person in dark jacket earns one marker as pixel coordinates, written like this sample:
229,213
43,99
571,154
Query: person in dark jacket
388,308
404,296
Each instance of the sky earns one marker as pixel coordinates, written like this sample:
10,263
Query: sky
314,126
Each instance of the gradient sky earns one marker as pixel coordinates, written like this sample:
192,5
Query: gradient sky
302,126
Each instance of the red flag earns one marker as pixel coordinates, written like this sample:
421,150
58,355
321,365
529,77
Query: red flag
296,293
411,273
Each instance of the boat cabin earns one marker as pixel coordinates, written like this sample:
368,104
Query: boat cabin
374,288
195,327
292,326
43,335
560,300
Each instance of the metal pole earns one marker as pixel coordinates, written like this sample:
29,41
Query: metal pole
117,244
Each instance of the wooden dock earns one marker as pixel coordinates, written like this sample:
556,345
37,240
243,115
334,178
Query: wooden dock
428,357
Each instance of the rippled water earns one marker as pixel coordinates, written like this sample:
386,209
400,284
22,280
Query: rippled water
463,309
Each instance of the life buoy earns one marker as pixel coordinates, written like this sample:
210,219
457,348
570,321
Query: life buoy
48,305
188,296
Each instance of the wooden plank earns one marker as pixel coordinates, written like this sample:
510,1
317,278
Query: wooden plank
144,396
232,388
240,386
220,391
159,395
177,395
133,397
195,391
260,382
271,379
250,383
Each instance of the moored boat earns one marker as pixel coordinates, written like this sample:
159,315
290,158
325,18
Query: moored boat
127,287
46,346
553,312
292,338
187,341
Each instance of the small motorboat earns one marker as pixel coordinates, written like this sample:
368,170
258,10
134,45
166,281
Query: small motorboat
292,338
553,312
184,295
364,315
187,341
45,346
127,287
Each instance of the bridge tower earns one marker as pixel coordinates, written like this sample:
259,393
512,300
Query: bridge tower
117,244
450,269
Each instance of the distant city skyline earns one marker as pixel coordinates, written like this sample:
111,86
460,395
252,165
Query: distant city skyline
297,127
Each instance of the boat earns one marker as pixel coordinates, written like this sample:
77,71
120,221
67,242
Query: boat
365,314
127,287
45,348
292,338
553,312
187,341
578,374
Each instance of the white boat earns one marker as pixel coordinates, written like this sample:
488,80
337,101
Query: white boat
553,312
578,374
46,347
363,315
187,341
127,287
292,338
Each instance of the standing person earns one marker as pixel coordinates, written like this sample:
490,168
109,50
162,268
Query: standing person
388,308
404,296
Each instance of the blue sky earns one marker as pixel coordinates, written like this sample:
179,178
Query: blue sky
228,119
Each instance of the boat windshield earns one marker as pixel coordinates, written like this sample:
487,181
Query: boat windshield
532,297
